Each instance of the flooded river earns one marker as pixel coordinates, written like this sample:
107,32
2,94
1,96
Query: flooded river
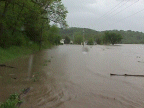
79,77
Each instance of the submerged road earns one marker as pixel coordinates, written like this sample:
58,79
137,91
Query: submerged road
79,77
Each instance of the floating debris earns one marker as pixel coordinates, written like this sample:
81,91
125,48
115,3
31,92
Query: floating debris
126,75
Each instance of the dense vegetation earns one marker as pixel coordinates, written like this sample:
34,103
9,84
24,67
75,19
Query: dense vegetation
129,37
78,39
12,102
23,22
74,32
112,38
67,40
90,41
29,25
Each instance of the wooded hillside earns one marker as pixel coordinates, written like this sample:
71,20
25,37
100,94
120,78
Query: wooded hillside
129,37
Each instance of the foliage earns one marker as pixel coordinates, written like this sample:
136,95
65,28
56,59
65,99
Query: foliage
15,51
129,37
78,39
90,41
113,38
73,32
22,21
52,35
67,40
98,38
57,13
11,102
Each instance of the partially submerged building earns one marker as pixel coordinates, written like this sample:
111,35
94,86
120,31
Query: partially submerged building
62,41
71,42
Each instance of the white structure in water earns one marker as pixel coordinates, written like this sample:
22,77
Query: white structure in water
62,41
71,42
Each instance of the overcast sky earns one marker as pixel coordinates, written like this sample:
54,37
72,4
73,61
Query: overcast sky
103,15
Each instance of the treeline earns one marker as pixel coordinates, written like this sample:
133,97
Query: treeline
72,32
24,22
128,37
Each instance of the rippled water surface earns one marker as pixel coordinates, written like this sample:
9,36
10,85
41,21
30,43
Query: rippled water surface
79,77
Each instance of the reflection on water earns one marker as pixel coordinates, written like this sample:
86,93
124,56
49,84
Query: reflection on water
79,77
85,50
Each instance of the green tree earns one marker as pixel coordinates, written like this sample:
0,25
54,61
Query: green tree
98,40
78,39
105,39
57,13
30,19
113,38
90,41
57,40
67,40
52,35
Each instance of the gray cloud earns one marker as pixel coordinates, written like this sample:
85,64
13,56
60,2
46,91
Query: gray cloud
101,15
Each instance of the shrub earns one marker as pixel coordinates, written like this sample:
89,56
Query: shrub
12,102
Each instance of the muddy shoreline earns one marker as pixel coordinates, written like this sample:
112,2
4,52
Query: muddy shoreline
15,77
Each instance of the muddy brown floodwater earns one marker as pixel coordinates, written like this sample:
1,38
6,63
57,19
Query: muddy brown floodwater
73,76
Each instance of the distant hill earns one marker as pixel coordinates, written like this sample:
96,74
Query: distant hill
71,32
129,37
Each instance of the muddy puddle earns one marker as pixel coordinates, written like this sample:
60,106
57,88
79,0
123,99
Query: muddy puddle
73,76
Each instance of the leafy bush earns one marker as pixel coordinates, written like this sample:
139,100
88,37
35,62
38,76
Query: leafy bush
90,41
78,39
18,39
67,40
11,102
112,37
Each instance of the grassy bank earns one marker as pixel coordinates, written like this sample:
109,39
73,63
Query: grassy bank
15,80
17,51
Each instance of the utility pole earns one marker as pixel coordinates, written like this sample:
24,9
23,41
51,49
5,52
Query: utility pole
83,36
41,38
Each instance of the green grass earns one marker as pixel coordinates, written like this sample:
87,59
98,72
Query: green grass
15,51
12,53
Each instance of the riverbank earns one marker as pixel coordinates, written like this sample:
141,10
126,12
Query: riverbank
6,55
21,74
16,75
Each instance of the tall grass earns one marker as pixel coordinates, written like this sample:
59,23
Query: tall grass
13,52
16,51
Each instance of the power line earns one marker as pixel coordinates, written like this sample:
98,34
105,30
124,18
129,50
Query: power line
122,10
128,16
111,9
115,9
125,8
